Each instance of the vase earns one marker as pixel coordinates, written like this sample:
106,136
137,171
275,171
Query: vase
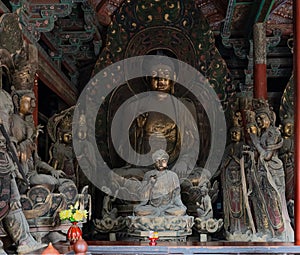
152,241
80,247
74,232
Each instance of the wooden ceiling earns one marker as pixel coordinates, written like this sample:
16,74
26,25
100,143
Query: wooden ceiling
71,34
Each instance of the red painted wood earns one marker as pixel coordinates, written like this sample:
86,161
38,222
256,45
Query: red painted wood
260,81
296,9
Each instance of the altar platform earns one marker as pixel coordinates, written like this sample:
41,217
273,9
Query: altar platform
126,248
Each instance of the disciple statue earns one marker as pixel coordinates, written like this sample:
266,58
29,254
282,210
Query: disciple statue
204,210
161,190
266,177
235,202
286,154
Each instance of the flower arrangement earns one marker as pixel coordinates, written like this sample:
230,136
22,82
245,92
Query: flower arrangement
73,214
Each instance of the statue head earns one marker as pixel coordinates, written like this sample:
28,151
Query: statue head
65,129
251,125
24,101
288,126
163,74
235,134
265,117
204,189
160,159
236,130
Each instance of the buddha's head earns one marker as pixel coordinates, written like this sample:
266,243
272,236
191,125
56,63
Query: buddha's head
162,66
162,77
160,159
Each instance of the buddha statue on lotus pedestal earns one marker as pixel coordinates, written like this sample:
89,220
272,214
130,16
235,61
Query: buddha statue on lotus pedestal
161,209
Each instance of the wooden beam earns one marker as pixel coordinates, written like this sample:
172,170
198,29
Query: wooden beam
52,78
286,29
3,8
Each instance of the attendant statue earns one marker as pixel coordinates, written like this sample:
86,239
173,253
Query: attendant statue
24,136
267,177
61,152
286,154
235,203
204,207
161,189
205,223
86,155
11,214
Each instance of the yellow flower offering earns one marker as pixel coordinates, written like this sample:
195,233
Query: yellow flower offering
73,214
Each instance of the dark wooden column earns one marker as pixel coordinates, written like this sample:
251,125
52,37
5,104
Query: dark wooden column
260,61
296,7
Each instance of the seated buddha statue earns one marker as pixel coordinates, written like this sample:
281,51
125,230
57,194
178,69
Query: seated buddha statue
160,121
161,190
161,208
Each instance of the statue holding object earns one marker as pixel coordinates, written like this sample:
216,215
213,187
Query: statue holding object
266,177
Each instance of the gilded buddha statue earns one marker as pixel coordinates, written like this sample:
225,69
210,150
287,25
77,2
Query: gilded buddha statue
150,131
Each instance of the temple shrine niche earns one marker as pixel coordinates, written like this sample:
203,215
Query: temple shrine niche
177,30
250,186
